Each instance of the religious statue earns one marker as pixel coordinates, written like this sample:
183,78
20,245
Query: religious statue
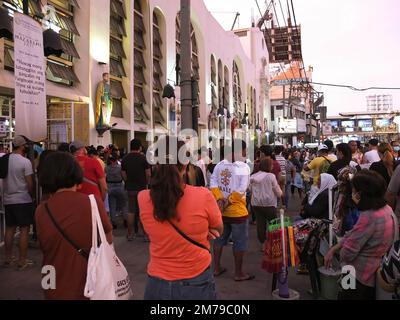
104,103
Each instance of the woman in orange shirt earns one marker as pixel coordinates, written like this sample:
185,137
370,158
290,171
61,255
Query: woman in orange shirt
179,220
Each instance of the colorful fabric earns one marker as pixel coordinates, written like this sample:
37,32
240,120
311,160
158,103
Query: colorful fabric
273,260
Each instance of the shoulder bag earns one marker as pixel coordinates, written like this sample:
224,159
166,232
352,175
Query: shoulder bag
183,235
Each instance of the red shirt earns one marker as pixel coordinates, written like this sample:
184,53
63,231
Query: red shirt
92,172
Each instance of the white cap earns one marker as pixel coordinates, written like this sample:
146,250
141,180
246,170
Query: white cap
323,147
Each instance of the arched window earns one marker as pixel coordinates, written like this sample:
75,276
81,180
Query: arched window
214,97
220,84
158,62
237,91
226,88
117,55
139,64
254,121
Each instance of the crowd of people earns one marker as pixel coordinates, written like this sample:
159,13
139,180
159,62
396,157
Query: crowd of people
188,212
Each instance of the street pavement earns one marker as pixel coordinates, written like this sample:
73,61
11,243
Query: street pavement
25,285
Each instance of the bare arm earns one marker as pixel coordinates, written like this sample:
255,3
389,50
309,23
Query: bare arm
29,181
293,172
103,187
148,176
124,175
391,199
109,237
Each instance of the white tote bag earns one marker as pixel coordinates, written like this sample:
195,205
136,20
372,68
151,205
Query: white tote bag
107,278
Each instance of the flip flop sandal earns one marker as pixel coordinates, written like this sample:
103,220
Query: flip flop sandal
28,264
222,271
11,263
249,277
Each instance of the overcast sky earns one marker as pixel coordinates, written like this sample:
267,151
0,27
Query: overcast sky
354,42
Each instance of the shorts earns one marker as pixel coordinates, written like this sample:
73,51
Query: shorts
19,215
133,204
240,236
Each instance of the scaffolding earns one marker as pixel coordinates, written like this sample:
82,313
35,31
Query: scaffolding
284,44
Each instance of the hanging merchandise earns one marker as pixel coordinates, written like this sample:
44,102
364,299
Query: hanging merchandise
279,253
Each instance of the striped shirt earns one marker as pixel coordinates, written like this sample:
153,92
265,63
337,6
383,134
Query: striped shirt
365,245
282,163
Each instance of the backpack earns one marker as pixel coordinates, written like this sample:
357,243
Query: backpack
324,167
4,166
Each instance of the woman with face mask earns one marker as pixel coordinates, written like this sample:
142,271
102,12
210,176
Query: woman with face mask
386,166
363,247
396,149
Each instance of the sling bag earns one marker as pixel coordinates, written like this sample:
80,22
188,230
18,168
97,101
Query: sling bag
183,235
82,252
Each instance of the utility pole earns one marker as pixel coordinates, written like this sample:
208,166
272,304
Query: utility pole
186,70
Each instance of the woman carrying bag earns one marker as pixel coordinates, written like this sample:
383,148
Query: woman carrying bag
64,226
179,220
364,246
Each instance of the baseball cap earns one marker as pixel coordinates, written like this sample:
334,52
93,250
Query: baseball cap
77,145
323,147
19,141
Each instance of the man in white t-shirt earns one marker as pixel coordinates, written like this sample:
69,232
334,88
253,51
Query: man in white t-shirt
229,183
372,155
18,202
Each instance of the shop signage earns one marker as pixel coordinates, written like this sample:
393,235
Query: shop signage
285,82
30,78
287,126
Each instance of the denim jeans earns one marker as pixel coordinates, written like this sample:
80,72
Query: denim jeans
117,199
201,287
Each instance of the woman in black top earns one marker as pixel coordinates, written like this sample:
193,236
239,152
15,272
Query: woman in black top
386,166
344,158
317,206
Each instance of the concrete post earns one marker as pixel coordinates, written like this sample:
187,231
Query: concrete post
186,69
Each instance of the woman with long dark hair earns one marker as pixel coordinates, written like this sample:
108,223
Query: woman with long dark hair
364,246
180,220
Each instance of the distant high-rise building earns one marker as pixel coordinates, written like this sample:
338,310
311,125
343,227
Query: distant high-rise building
381,102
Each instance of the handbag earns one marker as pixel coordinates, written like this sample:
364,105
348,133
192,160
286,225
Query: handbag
107,278
183,235
380,293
